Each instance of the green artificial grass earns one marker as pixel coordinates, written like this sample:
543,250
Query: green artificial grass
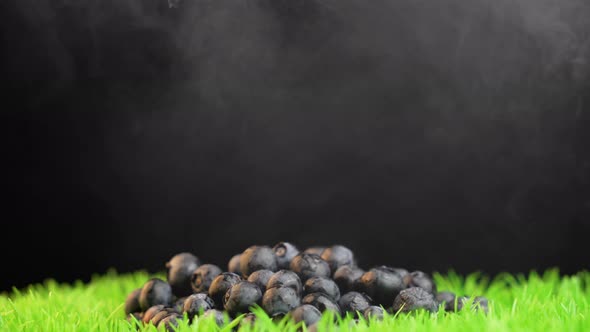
547,302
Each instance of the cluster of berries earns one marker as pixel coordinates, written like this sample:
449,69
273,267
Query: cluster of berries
282,280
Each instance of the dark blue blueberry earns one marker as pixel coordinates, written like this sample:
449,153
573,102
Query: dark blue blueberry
285,278
420,279
203,277
169,323
241,297
280,300
234,264
354,302
373,312
221,284
337,256
257,258
261,278
154,292
151,312
323,285
309,265
132,302
414,298
446,299
285,251
306,313
219,317
180,270
346,276
381,284
322,302
197,304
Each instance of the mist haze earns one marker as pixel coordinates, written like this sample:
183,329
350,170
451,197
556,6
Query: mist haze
424,134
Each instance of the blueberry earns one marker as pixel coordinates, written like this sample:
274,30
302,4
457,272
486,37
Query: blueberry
346,276
285,251
413,299
478,303
420,279
197,304
280,300
381,284
155,292
314,250
179,304
285,278
169,323
322,302
306,313
203,277
309,265
180,270
219,317
234,264
373,312
337,256
257,258
447,299
261,278
481,302
353,302
323,285
241,297
221,284
162,314
151,312
132,302
402,272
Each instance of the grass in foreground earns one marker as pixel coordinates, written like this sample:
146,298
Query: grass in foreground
547,302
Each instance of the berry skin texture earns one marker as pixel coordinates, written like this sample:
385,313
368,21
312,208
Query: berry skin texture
234,264
420,279
151,312
221,284
321,302
306,313
414,298
353,302
261,278
197,304
446,299
132,302
373,312
218,316
180,270
346,276
241,297
257,258
169,323
381,284
179,304
163,314
323,285
280,300
285,252
203,277
337,256
309,265
285,278
154,292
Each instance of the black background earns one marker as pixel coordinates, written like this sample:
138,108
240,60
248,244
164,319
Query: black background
428,135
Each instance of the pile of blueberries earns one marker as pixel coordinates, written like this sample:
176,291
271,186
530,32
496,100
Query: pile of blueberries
284,281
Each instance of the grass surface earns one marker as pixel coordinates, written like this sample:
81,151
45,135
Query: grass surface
547,302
